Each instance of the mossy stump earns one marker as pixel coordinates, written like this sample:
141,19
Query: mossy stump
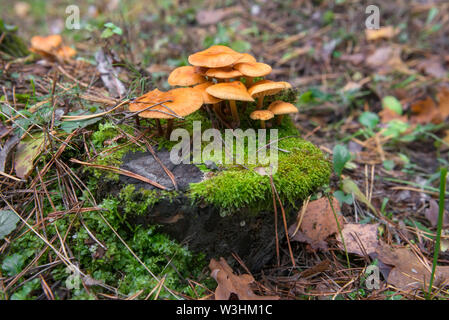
219,212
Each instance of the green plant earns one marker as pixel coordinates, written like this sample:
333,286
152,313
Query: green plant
443,177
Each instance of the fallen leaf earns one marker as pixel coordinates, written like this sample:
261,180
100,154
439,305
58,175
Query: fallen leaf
318,223
381,33
432,214
433,67
443,102
424,112
27,151
229,283
408,271
386,59
8,222
387,115
357,235
355,58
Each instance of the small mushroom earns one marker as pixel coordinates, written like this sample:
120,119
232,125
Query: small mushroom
181,103
231,91
251,70
185,76
214,57
262,115
264,88
280,108
223,73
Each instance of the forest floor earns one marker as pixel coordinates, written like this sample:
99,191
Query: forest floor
375,101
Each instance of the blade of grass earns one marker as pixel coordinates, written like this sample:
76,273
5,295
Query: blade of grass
443,174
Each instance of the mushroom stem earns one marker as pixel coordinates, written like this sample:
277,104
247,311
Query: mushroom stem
159,127
235,114
259,102
137,120
249,81
169,128
262,124
279,119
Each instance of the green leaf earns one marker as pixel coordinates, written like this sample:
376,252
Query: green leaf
70,126
392,103
369,119
341,155
388,165
13,264
396,128
343,198
351,187
8,222
107,33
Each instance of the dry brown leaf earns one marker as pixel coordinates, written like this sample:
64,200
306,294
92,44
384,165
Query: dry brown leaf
424,112
358,235
318,223
355,58
443,102
433,67
408,271
386,59
386,115
382,33
229,283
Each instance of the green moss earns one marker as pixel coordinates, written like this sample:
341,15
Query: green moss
300,172
139,202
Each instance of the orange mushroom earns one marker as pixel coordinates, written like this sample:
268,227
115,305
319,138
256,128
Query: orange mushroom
231,91
280,108
185,76
262,115
264,88
214,57
181,102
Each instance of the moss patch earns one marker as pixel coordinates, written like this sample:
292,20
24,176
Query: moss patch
300,172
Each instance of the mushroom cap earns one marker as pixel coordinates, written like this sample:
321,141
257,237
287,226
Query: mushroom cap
230,91
261,115
46,44
280,107
246,57
286,84
265,88
223,73
183,101
253,69
214,57
66,52
185,76
207,98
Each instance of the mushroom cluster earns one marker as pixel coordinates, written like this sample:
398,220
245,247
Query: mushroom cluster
216,75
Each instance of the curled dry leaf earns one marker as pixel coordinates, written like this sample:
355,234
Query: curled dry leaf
358,236
27,151
318,223
229,283
381,33
409,271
